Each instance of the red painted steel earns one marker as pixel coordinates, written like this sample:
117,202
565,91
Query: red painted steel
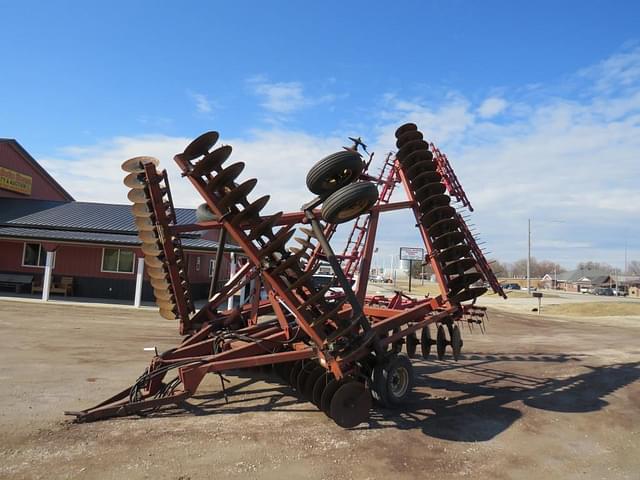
282,328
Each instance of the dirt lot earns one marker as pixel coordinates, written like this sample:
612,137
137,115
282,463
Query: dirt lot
536,397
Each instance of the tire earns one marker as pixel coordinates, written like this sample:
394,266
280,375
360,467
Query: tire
334,172
349,202
393,381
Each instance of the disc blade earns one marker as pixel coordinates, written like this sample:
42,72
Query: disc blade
136,164
156,272
162,294
167,313
153,262
140,209
135,180
137,195
148,236
151,249
200,146
144,224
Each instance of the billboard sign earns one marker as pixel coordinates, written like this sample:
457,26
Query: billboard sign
410,253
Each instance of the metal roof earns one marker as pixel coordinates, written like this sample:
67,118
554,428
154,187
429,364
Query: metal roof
97,217
88,222
100,238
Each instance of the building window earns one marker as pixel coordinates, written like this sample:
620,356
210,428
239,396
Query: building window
198,263
117,260
34,255
212,267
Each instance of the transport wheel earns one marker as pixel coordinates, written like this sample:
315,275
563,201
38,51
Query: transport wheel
441,342
394,380
327,394
307,388
349,202
350,404
319,387
425,342
303,374
334,172
412,343
456,342
295,370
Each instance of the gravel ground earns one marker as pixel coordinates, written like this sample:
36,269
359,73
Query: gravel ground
535,397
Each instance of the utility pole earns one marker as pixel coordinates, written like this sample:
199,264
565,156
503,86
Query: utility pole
529,260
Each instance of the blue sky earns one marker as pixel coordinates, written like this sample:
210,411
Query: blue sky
537,104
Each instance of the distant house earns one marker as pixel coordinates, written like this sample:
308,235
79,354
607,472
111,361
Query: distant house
582,279
546,282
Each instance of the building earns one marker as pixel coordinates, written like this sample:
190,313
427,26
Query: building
93,247
583,280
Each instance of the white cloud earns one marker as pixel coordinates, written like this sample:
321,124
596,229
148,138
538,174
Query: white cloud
491,107
621,70
284,97
202,102
279,159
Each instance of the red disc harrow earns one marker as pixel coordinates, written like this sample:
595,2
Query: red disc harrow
336,346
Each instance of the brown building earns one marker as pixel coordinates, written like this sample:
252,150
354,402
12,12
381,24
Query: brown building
93,246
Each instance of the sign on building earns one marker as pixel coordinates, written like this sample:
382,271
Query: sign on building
14,181
410,253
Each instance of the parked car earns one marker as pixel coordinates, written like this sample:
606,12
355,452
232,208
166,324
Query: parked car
607,292
377,278
510,286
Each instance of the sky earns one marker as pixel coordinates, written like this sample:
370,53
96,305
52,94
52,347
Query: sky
536,104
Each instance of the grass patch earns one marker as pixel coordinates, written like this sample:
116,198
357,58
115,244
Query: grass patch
593,309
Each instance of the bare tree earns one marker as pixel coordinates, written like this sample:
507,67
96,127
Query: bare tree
538,269
499,269
591,265
633,267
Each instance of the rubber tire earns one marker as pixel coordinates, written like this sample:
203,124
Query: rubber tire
339,207
320,175
395,362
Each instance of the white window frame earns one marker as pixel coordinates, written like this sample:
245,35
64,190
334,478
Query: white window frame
133,264
212,267
42,250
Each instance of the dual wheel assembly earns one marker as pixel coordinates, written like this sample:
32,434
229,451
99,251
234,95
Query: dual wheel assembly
335,180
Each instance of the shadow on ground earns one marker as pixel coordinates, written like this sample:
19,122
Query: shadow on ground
475,409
